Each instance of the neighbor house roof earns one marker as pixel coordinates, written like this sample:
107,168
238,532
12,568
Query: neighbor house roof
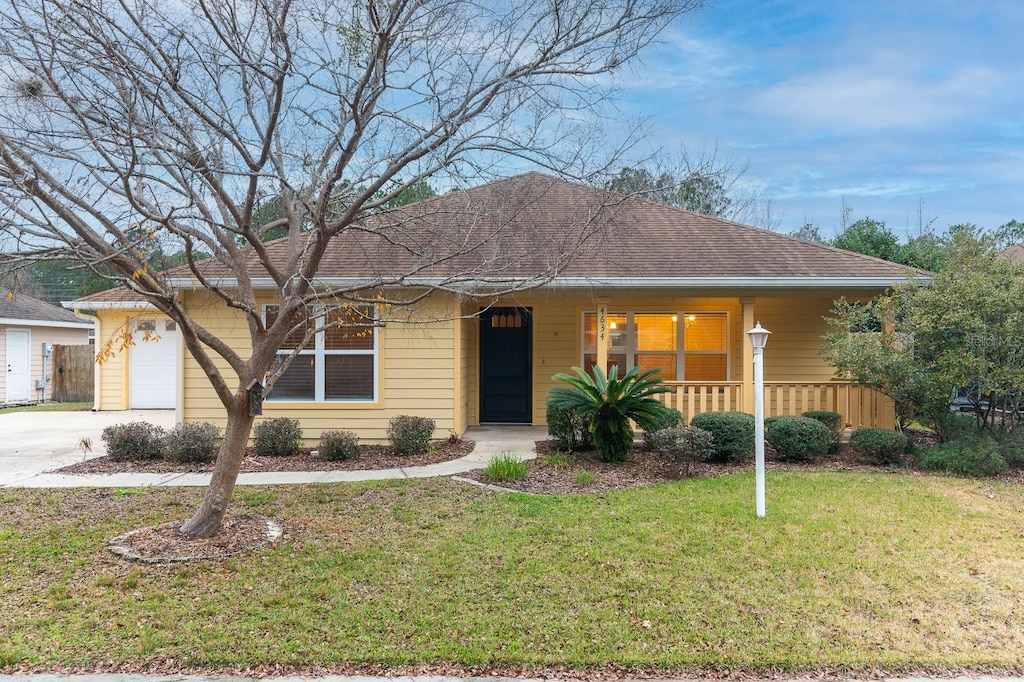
118,297
534,224
17,308
1015,254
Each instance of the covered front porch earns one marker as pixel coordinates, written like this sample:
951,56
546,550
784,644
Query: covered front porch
699,343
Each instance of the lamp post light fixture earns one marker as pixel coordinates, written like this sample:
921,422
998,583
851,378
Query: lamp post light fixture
758,339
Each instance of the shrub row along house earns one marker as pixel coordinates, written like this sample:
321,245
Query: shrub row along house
649,285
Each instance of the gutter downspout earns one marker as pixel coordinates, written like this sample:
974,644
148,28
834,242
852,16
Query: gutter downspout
95,319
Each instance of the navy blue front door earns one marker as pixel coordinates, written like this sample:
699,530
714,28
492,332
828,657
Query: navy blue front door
506,365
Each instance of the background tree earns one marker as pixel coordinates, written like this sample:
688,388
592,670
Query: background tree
872,238
809,233
124,122
703,182
962,330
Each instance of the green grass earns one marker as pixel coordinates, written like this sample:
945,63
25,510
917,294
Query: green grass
49,407
848,571
584,477
505,467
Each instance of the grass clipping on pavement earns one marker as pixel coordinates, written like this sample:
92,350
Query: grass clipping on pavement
848,571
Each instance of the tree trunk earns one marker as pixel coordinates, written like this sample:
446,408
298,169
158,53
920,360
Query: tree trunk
208,518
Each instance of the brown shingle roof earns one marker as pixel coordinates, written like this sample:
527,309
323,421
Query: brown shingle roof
16,306
522,225
527,225
115,295
1015,254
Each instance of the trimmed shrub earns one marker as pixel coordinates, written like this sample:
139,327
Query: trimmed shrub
832,420
410,435
569,429
192,442
1011,447
686,444
339,445
883,446
277,437
956,426
797,438
672,419
133,441
733,433
974,457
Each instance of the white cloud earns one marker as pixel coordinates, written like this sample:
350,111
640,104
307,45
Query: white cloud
882,95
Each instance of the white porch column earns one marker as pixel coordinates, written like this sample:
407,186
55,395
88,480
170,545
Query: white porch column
748,356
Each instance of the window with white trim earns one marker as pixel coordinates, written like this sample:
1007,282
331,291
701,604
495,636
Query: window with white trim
339,359
652,340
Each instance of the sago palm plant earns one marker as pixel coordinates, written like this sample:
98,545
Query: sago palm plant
612,402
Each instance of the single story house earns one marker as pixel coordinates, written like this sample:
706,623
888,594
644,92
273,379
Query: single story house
29,329
652,285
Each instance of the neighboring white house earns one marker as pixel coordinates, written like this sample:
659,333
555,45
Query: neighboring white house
28,330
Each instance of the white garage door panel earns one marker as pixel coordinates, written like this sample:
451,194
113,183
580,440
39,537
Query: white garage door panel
153,365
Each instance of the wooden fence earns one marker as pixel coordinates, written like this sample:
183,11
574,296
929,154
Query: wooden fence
858,405
72,371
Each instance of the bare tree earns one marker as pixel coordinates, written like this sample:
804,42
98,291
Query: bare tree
124,122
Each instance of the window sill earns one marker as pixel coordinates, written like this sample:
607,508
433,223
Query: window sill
295,404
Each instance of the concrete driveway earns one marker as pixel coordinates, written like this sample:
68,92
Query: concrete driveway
34,442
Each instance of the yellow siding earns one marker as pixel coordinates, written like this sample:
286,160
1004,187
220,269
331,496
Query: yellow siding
113,370
431,369
416,369
470,365
797,325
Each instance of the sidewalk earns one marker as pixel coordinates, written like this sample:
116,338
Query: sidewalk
490,441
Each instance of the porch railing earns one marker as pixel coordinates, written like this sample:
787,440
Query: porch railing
858,405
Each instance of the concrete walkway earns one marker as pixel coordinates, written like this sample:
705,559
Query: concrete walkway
490,441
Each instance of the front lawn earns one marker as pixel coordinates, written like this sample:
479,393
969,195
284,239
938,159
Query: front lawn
49,407
850,571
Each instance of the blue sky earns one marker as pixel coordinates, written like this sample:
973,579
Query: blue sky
886,103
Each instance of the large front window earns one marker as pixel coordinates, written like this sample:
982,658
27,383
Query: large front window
652,340
338,360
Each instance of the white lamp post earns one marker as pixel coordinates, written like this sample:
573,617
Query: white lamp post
758,338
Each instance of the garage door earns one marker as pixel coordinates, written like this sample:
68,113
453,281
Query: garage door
154,362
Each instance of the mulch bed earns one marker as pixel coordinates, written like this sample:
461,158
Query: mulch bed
550,476
166,544
370,457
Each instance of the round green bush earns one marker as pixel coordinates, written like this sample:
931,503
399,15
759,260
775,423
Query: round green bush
192,442
686,444
832,420
277,437
672,418
797,438
733,433
976,457
410,435
133,441
336,446
883,446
